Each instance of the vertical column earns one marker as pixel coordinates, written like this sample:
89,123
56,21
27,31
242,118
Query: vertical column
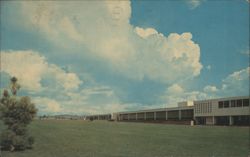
145,118
214,120
231,122
179,114
136,117
98,117
166,115
154,115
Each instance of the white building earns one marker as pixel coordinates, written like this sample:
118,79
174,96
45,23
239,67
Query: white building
223,111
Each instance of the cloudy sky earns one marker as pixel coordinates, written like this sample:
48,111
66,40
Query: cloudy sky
105,56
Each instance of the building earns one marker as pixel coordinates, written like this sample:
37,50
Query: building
222,111
98,117
183,113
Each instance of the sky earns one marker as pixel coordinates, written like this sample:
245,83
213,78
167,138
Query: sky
91,57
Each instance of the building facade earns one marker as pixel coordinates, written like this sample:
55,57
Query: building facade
161,114
99,117
222,111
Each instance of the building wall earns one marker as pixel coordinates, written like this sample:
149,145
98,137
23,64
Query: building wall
132,116
141,116
173,115
211,107
149,115
161,115
187,114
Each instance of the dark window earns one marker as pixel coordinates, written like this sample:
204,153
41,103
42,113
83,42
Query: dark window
245,102
233,103
226,104
239,103
220,104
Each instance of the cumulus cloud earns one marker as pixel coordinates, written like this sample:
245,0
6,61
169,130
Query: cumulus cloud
144,33
67,79
100,99
91,100
132,51
47,105
235,84
31,68
176,93
26,66
175,88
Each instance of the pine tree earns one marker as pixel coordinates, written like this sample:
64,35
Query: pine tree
16,113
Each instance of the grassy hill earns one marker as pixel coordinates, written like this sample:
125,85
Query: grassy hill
58,138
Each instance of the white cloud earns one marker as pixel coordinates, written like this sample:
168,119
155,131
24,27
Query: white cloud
176,93
98,90
210,89
130,50
144,33
27,66
47,105
68,80
194,3
30,68
175,89
238,75
237,83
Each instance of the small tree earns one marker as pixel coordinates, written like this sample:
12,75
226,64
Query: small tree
16,114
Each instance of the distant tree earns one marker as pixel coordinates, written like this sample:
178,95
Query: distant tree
16,113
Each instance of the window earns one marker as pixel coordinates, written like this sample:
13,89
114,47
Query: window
233,103
210,107
226,104
245,102
239,103
207,108
220,104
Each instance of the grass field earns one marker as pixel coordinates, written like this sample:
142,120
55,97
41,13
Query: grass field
111,139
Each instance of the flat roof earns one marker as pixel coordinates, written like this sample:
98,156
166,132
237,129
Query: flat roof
224,98
158,109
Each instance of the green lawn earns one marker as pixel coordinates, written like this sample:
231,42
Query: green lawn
111,139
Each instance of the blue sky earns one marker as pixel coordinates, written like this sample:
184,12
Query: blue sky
100,57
